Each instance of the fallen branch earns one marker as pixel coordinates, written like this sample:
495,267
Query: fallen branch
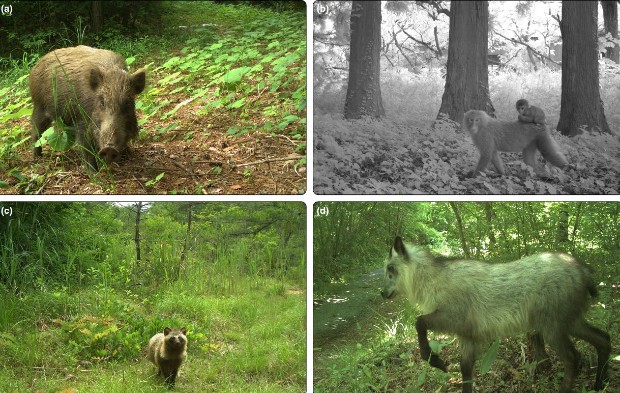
271,160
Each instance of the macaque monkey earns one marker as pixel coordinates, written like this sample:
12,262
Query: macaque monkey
530,114
492,136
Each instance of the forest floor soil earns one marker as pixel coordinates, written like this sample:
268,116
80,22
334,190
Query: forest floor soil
207,163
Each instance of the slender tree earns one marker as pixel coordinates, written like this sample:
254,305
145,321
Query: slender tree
581,104
467,77
610,17
139,206
188,233
96,14
364,89
461,230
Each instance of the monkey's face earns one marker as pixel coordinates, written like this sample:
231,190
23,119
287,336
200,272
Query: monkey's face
475,121
521,109
472,123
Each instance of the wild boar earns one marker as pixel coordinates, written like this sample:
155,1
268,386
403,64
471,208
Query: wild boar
92,90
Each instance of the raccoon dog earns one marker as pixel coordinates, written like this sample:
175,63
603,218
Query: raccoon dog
547,294
167,352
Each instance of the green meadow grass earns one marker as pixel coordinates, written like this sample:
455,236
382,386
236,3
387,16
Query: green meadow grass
249,339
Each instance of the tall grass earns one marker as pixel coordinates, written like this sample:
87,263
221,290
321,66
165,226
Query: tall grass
246,332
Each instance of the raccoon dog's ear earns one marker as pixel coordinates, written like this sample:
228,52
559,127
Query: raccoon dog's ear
400,248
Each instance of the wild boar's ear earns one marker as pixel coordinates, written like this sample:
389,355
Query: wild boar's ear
95,78
138,81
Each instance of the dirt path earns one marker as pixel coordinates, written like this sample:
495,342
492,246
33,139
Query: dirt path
349,310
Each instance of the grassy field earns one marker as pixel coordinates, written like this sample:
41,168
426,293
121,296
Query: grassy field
78,303
248,338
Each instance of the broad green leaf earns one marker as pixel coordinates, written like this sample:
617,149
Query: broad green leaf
489,357
237,104
235,75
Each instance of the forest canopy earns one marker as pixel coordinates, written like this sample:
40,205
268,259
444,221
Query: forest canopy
70,243
355,237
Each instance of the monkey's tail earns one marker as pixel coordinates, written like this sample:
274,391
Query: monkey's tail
550,150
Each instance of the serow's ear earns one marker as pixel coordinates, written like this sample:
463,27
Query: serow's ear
399,247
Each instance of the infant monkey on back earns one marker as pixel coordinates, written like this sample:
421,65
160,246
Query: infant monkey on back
530,114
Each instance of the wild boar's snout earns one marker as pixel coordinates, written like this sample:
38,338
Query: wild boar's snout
109,154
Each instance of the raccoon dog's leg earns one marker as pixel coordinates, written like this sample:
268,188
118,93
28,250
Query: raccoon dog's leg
171,378
170,374
423,324
601,341
563,346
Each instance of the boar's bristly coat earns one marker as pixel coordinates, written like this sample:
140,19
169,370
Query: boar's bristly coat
91,90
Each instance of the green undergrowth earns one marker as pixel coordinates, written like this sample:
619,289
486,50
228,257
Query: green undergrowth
385,357
233,68
253,67
246,335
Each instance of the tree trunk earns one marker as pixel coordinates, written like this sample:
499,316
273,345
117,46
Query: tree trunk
188,234
459,225
610,16
581,104
576,227
561,238
139,207
96,15
467,77
364,89
490,215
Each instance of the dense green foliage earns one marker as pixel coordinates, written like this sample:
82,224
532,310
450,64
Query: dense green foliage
355,237
365,343
70,23
47,245
76,298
